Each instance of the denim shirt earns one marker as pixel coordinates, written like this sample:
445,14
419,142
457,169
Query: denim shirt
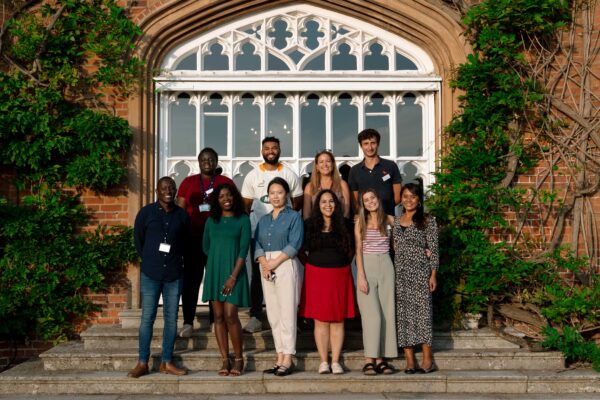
285,233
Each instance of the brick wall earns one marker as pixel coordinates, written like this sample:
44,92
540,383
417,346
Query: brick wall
12,353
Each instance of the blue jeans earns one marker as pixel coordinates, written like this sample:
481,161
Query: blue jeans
151,290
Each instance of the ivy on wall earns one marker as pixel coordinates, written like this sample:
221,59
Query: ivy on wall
486,150
65,63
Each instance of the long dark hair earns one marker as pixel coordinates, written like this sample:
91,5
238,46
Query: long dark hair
419,218
314,226
215,207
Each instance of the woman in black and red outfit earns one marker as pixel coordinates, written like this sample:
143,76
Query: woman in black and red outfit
328,291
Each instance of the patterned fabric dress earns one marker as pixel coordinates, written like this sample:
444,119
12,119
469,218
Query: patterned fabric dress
414,316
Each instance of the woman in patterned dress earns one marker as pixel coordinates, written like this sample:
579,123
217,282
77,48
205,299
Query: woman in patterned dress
416,262
226,242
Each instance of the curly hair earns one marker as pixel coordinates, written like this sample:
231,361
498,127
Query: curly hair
215,207
314,226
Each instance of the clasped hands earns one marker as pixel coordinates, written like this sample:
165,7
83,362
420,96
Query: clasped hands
267,266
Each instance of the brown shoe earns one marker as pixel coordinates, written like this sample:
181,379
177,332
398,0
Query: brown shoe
140,369
170,368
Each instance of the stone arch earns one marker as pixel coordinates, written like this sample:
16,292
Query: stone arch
430,25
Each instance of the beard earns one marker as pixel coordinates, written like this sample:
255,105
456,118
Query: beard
273,161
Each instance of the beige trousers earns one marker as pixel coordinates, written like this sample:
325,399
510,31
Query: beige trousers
378,307
281,298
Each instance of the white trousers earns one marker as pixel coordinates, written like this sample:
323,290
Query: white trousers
282,297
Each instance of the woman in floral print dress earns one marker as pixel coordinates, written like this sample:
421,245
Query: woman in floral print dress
416,262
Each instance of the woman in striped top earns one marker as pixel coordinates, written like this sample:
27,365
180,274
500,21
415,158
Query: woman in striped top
375,283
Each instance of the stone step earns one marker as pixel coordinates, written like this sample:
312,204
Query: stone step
131,318
73,355
115,337
31,379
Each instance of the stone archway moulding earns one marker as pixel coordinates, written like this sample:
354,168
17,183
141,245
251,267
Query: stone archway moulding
432,26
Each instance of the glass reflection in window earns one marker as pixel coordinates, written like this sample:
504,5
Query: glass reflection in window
189,63
312,127
280,123
214,127
247,60
344,61
409,127
312,34
182,127
345,127
246,128
376,60
216,60
280,34
403,63
377,116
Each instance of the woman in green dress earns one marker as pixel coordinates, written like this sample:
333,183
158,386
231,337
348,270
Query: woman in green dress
226,242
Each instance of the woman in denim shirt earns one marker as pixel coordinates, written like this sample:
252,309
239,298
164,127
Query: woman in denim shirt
277,238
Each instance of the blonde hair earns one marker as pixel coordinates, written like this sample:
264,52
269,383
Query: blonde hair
363,215
315,177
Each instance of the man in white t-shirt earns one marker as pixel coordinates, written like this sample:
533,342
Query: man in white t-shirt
256,202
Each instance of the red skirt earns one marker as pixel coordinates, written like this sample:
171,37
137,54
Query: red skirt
328,294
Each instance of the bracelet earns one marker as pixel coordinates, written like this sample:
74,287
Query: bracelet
234,278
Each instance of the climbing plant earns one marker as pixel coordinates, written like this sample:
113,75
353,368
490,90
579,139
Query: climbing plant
520,166
65,65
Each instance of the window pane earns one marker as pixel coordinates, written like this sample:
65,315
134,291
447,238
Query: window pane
276,64
188,63
238,179
280,124
182,128
404,63
214,127
295,55
280,34
409,127
409,173
246,60
316,64
376,61
343,61
377,117
246,128
312,127
180,171
311,34
345,127
215,61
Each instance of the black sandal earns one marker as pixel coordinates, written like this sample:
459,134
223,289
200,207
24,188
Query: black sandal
429,370
284,371
238,367
271,370
369,369
384,368
225,367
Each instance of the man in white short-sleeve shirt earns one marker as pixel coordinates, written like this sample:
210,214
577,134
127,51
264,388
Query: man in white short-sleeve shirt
256,202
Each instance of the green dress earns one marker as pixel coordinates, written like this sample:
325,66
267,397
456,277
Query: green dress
224,242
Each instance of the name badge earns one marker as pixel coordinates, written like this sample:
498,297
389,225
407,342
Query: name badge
204,207
164,247
386,177
209,191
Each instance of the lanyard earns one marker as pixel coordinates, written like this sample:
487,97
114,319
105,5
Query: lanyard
210,185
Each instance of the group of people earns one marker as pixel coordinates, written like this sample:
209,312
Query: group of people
301,244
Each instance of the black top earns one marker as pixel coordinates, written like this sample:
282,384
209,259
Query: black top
153,226
381,178
328,254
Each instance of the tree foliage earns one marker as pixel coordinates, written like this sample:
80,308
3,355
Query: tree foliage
66,63
486,150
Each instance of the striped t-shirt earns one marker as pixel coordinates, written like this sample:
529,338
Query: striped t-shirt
374,243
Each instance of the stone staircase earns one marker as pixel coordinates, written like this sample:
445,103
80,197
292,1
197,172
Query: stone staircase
470,362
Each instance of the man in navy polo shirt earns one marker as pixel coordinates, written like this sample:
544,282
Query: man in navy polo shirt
374,172
161,238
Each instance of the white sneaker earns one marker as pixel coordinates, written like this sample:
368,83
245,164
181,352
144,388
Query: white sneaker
337,369
324,368
253,325
186,332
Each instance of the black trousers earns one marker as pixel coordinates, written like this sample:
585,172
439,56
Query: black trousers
193,273
256,292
